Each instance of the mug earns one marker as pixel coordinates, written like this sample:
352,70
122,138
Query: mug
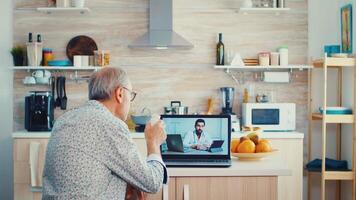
38,74
29,80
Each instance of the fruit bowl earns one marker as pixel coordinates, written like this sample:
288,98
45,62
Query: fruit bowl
253,156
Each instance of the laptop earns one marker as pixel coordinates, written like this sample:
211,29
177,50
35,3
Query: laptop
180,148
175,143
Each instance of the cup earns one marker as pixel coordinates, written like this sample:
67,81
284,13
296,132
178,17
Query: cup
77,61
46,74
29,80
38,74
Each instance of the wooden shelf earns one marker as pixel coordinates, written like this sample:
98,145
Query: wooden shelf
335,119
89,68
50,10
336,175
258,67
335,62
276,11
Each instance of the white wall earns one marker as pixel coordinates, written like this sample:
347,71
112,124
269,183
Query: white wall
324,28
6,76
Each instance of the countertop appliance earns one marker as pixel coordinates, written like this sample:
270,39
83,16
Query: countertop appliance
160,33
39,111
270,116
227,94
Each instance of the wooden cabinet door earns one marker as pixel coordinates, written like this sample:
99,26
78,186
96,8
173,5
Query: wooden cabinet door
290,152
227,188
23,186
167,192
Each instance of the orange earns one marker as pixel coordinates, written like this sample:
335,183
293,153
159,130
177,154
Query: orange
263,146
234,144
247,146
264,140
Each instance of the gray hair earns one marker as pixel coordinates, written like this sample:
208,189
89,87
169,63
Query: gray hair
104,82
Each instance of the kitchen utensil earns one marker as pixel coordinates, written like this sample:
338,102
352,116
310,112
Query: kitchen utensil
59,63
210,106
53,87
80,45
64,98
253,156
176,108
58,88
336,111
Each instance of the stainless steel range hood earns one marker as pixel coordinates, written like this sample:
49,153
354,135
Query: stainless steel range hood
160,34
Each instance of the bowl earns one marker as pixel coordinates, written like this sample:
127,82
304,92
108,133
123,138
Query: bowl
253,156
140,119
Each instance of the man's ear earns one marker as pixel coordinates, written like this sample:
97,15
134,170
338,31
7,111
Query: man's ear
119,95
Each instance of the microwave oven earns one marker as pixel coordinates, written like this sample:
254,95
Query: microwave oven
270,116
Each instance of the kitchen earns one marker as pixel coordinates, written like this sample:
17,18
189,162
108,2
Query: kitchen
115,25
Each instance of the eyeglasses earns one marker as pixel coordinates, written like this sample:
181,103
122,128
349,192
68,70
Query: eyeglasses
132,93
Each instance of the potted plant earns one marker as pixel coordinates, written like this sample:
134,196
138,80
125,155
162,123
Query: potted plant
18,55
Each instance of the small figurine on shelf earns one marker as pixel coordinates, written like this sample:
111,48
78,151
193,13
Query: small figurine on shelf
18,55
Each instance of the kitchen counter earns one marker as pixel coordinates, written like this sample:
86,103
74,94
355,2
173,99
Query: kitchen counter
268,135
266,167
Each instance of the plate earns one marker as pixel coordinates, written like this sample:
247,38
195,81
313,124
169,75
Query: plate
336,111
81,45
254,156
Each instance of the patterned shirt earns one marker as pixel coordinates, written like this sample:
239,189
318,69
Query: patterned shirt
91,155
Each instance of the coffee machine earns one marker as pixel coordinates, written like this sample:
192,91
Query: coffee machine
228,94
39,111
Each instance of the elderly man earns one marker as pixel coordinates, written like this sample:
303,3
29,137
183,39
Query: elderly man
91,155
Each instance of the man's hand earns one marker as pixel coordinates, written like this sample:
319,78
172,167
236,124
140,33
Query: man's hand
155,136
193,146
134,194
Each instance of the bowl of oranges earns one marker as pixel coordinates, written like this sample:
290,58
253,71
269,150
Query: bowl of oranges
251,147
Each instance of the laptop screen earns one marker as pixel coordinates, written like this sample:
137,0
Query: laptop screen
192,136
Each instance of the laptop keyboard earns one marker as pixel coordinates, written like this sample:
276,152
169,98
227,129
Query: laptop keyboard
200,160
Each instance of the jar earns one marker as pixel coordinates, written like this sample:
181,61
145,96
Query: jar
283,56
47,56
263,58
102,58
274,58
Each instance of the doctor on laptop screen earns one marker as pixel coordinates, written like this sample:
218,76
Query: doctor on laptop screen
198,138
